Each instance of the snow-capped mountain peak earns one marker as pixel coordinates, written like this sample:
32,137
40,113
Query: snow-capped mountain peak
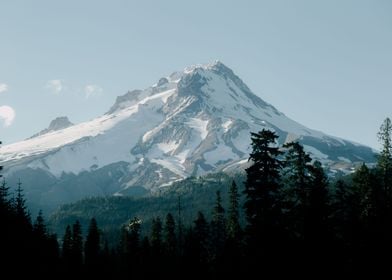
188,123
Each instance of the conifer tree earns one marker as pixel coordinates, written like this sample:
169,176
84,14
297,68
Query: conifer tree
92,245
21,211
262,189
40,227
318,211
233,224
67,246
201,238
156,236
298,167
170,235
366,195
147,260
5,206
133,242
316,218
298,179
77,245
385,158
218,228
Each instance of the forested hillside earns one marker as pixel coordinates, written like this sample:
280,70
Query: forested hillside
296,222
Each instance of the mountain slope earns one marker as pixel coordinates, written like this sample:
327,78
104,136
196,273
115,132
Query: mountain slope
190,123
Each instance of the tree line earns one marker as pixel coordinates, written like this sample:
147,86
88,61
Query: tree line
298,222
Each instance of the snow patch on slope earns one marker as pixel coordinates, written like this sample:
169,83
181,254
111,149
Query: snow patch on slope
199,125
315,153
220,154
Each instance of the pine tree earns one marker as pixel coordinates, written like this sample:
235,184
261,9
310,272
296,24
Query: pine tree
343,202
385,158
156,236
318,211
1,167
147,260
298,179
170,235
201,238
233,248
218,228
21,211
92,245
5,206
40,227
77,245
298,167
67,246
133,242
316,220
366,195
262,188
53,251
346,217
298,163
233,223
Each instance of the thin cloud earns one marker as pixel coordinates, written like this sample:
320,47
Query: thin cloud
55,86
7,115
3,87
92,90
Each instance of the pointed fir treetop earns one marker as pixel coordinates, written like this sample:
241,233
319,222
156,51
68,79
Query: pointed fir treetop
39,225
20,205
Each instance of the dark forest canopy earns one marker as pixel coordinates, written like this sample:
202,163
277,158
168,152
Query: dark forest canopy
295,222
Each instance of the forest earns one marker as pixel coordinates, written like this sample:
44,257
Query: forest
297,222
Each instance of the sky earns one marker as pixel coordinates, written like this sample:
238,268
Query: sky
325,64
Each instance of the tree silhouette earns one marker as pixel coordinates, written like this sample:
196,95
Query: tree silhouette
263,203
39,226
67,246
217,229
170,235
233,223
92,246
77,246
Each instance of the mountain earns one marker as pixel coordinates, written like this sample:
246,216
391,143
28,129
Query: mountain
190,123
56,124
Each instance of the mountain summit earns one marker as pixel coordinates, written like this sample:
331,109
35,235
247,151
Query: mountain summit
56,124
187,124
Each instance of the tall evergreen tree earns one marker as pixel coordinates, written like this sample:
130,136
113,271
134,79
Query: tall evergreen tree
316,235
148,260
156,236
233,220
20,207
40,227
218,228
201,238
134,237
366,195
385,158
297,174
170,235
92,245
5,206
262,188
1,167
77,245
298,163
346,223
67,247
318,211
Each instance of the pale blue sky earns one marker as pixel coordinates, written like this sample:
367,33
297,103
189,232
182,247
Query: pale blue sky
326,64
